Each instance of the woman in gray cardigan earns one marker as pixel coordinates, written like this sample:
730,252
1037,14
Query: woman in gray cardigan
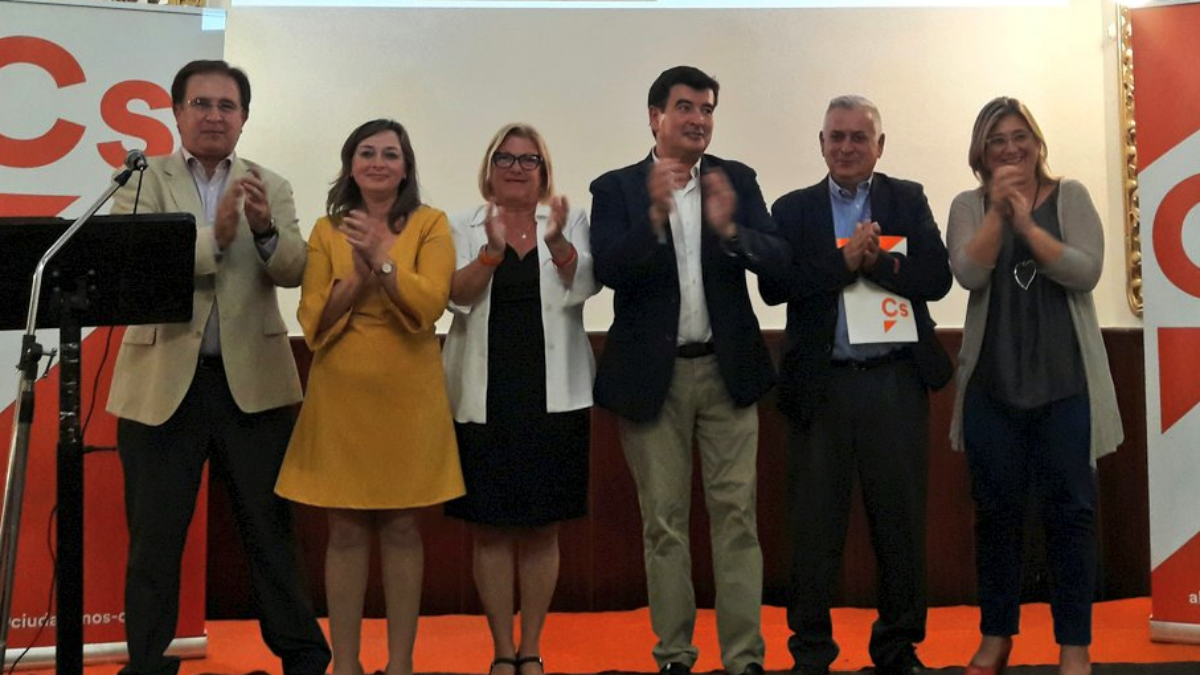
1035,404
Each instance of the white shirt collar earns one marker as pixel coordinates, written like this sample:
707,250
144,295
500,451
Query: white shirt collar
542,212
695,171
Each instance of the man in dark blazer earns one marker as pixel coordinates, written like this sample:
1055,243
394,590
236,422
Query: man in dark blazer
673,236
857,408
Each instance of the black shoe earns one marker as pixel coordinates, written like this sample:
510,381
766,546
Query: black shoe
804,669
675,668
753,669
908,664
523,661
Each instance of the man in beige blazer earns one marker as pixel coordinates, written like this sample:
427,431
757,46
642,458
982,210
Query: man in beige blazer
219,388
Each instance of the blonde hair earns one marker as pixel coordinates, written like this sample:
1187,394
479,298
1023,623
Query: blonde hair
518,130
991,114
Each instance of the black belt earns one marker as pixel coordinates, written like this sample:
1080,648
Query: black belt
211,362
874,361
695,350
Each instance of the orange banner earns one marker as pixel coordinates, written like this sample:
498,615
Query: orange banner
82,105
1167,105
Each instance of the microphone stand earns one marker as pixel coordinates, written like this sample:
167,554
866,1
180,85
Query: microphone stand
69,566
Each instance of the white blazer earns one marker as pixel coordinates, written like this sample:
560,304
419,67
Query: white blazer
570,364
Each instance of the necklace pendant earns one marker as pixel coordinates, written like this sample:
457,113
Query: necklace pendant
1024,273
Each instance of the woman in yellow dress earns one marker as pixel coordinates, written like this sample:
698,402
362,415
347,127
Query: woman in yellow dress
375,439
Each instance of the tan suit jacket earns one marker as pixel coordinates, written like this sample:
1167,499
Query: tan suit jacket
156,364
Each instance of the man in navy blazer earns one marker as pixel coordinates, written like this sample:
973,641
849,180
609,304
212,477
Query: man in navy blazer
857,408
673,236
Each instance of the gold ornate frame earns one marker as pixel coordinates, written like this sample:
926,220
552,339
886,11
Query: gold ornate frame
1129,179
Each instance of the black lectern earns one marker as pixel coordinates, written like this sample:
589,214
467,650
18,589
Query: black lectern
136,269
114,271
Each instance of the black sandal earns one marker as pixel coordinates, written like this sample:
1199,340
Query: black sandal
531,659
504,661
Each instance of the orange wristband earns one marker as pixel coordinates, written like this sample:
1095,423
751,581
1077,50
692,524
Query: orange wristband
570,259
490,261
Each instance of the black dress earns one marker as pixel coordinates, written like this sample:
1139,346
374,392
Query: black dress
524,467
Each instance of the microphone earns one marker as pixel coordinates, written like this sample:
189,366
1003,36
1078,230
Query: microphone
136,160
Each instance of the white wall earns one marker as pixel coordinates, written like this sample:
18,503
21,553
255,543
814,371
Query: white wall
454,76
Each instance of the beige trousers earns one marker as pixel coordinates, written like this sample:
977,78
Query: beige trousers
659,454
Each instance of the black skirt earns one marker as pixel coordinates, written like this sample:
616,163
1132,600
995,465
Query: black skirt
524,467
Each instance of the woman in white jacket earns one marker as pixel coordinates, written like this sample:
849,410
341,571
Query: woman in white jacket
519,371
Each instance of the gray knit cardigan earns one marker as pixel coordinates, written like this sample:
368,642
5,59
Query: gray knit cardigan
1078,271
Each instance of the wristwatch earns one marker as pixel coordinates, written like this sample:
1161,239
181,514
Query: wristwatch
262,237
386,268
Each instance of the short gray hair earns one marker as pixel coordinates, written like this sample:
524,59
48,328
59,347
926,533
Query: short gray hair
854,102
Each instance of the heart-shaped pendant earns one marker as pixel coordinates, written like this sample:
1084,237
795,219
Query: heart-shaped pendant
1025,272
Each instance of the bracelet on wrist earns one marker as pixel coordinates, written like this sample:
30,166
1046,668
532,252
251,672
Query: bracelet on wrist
489,260
566,261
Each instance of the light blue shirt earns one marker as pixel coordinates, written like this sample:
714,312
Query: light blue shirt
848,211
211,190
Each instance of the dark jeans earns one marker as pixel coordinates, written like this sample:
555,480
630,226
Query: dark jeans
871,425
1010,450
163,467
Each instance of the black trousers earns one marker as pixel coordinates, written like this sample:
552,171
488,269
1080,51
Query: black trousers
872,423
163,467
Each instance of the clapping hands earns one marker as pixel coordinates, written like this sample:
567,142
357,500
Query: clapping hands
370,238
862,251
246,195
